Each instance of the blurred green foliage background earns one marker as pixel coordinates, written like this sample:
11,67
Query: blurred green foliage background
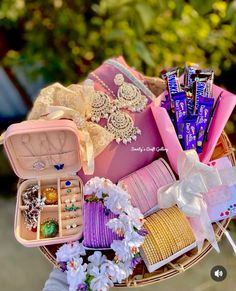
69,38
63,40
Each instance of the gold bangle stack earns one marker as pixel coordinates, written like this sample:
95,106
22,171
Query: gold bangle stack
168,232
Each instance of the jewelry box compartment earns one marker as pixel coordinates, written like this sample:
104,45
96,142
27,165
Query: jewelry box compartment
42,148
49,211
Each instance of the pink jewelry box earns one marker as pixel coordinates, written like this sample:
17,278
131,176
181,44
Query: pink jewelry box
46,153
168,133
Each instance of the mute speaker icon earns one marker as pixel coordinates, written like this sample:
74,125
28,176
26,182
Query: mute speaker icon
218,273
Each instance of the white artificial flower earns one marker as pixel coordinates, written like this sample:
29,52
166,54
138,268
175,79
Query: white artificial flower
92,186
101,283
122,250
97,258
76,273
126,268
134,240
114,271
69,251
93,270
116,202
135,216
98,186
121,223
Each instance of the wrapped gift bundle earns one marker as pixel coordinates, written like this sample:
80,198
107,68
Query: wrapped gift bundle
125,174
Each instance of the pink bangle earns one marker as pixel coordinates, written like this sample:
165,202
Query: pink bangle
143,184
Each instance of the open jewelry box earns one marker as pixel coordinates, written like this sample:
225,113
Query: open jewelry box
49,203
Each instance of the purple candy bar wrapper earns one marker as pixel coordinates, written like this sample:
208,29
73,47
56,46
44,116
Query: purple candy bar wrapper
190,105
166,105
96,233
167,97
204,113
189,70
202,85
172,84
199,86
180,106
209,74
172,81
190,138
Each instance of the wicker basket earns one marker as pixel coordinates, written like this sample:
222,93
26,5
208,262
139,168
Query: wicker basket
141,276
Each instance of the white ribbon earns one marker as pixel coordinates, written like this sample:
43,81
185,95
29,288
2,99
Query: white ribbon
195,179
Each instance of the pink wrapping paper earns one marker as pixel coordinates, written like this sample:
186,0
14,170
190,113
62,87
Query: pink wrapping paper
168,133
119,160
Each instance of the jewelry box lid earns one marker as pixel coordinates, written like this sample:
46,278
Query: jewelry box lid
43,148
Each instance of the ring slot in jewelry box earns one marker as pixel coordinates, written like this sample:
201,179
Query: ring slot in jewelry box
46,155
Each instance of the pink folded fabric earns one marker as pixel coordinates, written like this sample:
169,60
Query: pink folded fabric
119,160
143,184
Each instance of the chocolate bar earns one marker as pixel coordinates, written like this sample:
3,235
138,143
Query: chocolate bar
209,85
204,114
172,80
189,132
180,107
189,70
199,89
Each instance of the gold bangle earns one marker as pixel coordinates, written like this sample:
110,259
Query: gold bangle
150,248
165,249
169,232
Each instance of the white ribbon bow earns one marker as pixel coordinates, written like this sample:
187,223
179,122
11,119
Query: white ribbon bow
195,179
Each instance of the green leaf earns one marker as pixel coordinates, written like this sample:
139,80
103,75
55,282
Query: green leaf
146,14
202,6
179,8
231,13
88,279
143,52
116,34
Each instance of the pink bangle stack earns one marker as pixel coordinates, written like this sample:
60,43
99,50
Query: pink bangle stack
96,233
143,184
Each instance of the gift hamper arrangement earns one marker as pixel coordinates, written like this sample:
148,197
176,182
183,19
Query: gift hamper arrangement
126,180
